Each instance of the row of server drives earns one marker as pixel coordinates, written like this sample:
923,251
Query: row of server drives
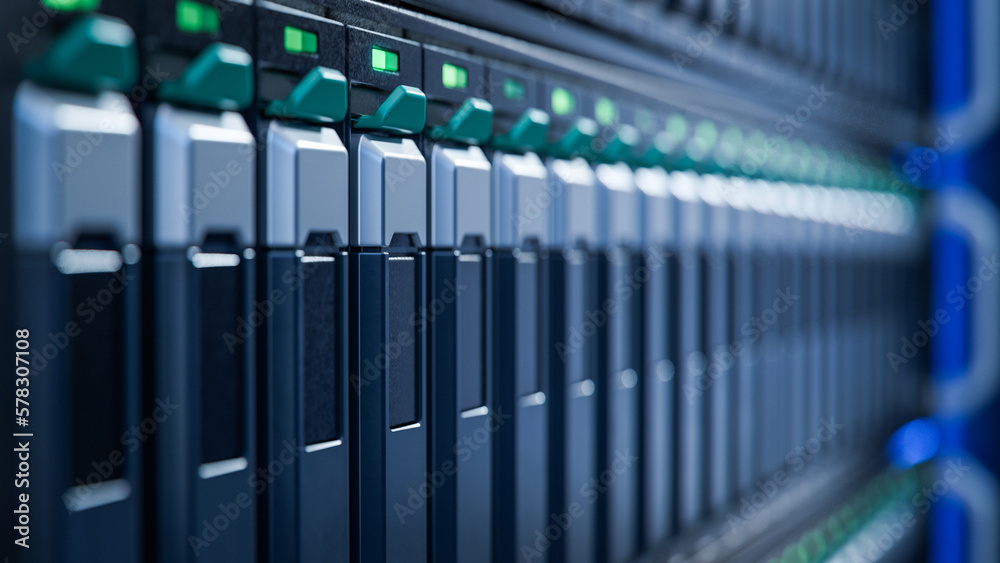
264,327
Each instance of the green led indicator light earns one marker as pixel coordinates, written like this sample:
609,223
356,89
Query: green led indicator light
513,89
700,146
801,160
384,60
195,17
299,41
453,76
677,127
777,158
210,19
72,5
730,145
189,16
706,133
563,102
605,111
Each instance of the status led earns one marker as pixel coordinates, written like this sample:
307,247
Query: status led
72,5
189,16
605,111
209,19
730,145
703,142
563,102
453,76
384,60
299,41
195,17
513,89
677,127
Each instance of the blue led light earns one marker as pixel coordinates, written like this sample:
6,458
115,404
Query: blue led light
914,442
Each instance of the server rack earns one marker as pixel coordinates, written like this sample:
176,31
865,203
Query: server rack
452,281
